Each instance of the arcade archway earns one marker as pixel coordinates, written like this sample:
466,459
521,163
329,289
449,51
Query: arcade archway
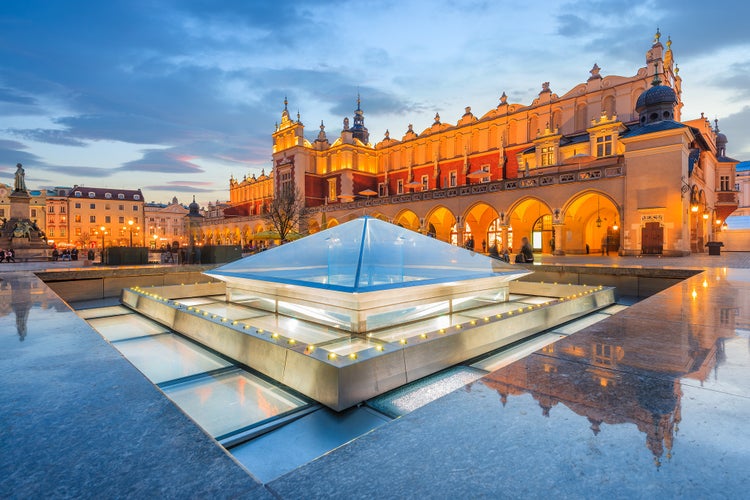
407,219
591,224
439,223
531,218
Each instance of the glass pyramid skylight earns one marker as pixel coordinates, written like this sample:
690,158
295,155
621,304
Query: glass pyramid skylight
365,255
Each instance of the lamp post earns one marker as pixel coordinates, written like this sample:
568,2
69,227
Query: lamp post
130,227
103,231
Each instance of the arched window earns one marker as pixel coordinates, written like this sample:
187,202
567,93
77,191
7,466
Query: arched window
542,233
495,234
581,118
608,106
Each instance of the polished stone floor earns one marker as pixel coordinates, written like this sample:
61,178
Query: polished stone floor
651,402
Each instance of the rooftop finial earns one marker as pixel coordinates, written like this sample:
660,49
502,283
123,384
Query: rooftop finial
657,35
716,125
669,42
358,100
285,103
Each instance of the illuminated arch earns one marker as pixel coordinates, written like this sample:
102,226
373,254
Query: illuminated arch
479,217
530,217
408,219
381,216
439,222
592,221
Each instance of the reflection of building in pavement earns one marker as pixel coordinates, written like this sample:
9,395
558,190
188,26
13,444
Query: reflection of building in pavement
634,378
18,295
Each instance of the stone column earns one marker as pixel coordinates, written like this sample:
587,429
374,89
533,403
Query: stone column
558,232
504,236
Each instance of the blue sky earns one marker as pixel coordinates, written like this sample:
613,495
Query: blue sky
174,96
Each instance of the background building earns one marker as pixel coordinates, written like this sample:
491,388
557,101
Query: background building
104,217
165,224
37,204
57,228
609,166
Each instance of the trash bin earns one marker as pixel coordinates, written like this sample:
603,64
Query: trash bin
714,247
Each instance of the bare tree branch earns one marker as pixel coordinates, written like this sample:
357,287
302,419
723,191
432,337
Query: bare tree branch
286,212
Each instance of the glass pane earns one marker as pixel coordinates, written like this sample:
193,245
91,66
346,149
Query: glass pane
100,312
168,357
364,255
230,311
126,326
224,403
408,398
301,331
196,301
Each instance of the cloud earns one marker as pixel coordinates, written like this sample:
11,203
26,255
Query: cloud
171,188
13,96
164,161
12,152
82,172
49,136
571,25
735,80
738,142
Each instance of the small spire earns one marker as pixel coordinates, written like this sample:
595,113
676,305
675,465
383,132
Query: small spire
669,42
437,119
298,116
503,98
716,125
358,101
656,80
387,134
657,36
285,103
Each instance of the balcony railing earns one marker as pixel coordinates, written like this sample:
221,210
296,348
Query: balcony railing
727,198
542,177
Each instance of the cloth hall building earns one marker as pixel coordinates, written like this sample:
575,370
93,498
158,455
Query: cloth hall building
609,166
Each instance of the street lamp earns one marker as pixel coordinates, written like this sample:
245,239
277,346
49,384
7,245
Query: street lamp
103,229
130,226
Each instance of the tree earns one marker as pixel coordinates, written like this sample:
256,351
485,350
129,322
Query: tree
285,212
84,239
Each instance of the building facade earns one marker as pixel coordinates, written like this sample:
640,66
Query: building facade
609,166
57,228
37,204
165,224
743,188
105,217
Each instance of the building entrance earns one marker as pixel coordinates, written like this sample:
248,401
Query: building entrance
652,239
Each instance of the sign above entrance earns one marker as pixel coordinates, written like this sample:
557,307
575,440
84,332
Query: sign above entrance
652,218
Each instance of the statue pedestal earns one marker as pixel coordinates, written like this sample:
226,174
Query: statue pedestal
19,205
19,232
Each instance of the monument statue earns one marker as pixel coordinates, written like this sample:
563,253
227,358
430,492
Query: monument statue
20,178
19,233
